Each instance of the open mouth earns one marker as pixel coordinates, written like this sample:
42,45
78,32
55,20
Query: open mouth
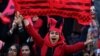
53,39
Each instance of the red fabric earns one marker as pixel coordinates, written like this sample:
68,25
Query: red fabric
38,24
5,20
47,40
98,43
61,47
9,10
84,20
37,5
37,38
52,21
78,9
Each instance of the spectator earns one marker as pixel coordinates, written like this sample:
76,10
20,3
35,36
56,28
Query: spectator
13,50
26,50
53,44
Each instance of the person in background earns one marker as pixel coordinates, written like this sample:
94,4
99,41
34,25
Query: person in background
17,32
13,50
26,50
93,32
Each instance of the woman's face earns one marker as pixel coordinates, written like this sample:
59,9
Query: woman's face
12,51
25,50
54,37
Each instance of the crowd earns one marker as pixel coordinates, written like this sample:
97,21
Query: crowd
48,36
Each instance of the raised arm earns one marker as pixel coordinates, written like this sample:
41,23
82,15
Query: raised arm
30,29
76,47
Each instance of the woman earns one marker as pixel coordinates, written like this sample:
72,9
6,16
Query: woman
53,44
26,50
13,50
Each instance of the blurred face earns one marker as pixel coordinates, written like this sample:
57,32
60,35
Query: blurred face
93,12
12,51
54,37
25,51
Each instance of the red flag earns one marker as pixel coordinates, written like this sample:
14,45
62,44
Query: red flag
78,9
32,7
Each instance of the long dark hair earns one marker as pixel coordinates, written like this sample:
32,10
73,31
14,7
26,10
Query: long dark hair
17,48
30,48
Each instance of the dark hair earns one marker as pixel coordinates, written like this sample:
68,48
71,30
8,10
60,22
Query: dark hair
17,48
30,47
